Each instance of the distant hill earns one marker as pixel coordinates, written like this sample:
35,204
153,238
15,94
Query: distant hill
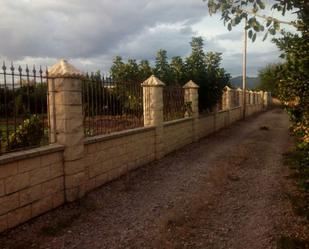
252,82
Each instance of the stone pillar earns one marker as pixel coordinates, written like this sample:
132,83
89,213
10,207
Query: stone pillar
240,97
66,117
261,94
227,99
153,109
191,99
251,94
265,100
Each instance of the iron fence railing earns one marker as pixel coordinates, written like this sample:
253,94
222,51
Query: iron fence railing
174,106
23,108
110,106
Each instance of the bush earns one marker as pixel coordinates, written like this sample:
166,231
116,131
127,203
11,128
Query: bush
28,134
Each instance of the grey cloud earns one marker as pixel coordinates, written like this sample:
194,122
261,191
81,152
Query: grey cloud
83,29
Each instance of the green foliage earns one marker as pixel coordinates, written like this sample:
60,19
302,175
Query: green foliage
178,70
203,69
144,70
270,78
28,134
233,12
162,68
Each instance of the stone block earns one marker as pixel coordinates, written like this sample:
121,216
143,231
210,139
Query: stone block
39,175
58,199
56,170
29,195
2,192
42,206
29,164
74,152
101,179
51,159
8,170
53,186
76,166
17,182
68,98
8,203
75,180
19,216
3,223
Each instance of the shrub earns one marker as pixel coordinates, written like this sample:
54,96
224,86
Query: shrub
28,134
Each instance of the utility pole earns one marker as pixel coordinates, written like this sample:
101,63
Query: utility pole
244,70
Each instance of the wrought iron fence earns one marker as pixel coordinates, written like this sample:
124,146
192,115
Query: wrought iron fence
23,108
174,106
110,106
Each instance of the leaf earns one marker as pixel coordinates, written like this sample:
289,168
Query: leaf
265,36
254,37
229,26
250,33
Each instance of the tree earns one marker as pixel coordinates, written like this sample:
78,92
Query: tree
178,70
144,69
269,78
195,63
117,70
217,78
233,12
162,68
131,72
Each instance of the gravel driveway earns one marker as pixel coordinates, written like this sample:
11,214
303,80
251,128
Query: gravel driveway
225,191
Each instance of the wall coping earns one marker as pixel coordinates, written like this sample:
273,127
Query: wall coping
113,135
222,111
24,154
234,108
177,121
206,115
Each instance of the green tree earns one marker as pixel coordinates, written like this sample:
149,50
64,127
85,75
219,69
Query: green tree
162,68
217,78
131,72
195,63
144,69
118,69
270,78
178,70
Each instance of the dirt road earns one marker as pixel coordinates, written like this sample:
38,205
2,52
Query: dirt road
225,191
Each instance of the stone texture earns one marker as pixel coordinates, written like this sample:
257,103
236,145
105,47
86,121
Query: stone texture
64,69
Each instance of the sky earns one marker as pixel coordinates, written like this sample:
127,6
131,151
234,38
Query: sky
91,33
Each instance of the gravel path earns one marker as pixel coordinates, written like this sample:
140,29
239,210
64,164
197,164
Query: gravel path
226,191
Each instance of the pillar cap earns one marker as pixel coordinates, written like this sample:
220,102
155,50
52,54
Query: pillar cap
191,85
64,69
153,81
239,89
227,88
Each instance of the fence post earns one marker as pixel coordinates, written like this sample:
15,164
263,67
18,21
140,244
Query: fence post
265,100
191,97
153,110
240,101
67,117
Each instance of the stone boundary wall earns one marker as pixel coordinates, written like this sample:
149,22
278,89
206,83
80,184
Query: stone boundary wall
37,180
31,183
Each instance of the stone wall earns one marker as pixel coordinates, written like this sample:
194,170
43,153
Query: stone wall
31,183
110,156
37,180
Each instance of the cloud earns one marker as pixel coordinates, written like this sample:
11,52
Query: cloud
79,29
91,33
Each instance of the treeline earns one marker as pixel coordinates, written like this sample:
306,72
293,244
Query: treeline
203,68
